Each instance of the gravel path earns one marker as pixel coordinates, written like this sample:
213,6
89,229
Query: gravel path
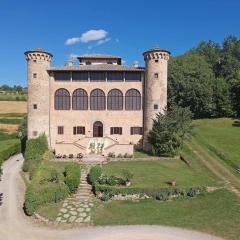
15,226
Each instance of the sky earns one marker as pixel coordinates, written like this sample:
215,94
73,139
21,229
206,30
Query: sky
124,28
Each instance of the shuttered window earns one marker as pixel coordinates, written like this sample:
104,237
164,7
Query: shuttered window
136,130
116,130
62,76
79,130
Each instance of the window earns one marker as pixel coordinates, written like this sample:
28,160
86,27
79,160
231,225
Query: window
34,75
80,99
62,76
115,100
109,62
115,76
156,60
133,76
35,133
62,99
97,76
155,106
136,130
97,100
80,76
34,60
88,63
156,75
60,130
34,106
116,130
133,100
79,130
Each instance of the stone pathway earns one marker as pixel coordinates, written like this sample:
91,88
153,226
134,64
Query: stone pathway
77,209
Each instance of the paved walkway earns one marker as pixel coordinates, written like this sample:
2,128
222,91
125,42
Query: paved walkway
14,225
77,209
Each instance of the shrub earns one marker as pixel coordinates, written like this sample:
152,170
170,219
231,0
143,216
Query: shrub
37,195
70,156
80,155
161,194
127,175
7,149
35,149
94,174
72,177
111,154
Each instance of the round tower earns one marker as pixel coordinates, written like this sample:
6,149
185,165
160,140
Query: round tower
38,61
155,88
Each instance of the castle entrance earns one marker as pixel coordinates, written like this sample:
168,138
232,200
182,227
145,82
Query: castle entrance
98,129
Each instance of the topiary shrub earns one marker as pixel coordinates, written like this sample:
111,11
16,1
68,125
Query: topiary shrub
72,177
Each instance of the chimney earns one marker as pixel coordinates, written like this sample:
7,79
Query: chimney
136,64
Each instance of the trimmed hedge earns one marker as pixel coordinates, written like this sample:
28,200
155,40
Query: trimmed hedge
72,177
37,195
9,148
35,149
94,174
162,194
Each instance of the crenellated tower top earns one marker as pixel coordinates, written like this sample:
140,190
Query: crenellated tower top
156,53
38,54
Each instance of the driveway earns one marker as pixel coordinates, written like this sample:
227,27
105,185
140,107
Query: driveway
14,225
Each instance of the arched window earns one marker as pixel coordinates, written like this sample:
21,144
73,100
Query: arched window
97,100
133,100
62,99
115,100
79,99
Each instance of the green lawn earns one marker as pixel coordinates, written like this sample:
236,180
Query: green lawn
156,174
220,136
216,213
50,210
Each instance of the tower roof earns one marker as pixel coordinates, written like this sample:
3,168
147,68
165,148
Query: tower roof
38,50
157,49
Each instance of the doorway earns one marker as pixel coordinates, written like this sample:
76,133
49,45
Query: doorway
98,129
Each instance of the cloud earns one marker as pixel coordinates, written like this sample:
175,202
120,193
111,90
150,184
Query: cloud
72,41
102,41
91,35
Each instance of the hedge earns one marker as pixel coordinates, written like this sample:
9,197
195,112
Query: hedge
51,183
159,194
94,174
9,148
37,195
72,177
35,149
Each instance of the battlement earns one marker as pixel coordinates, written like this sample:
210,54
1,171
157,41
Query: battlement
38,54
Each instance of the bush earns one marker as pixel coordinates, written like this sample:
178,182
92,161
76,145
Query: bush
94,174
111,155
72,177
161,194
35,149
37,195
7,149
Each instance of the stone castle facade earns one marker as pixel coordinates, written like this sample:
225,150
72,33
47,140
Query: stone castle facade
98,105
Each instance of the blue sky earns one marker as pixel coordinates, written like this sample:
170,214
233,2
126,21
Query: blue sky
128,27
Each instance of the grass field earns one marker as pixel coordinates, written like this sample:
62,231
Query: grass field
222,137
215,213
157,174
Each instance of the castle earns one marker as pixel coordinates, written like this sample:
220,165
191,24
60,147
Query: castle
97,105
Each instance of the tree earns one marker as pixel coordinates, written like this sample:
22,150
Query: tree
168,131
235,93
190,84
221,98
